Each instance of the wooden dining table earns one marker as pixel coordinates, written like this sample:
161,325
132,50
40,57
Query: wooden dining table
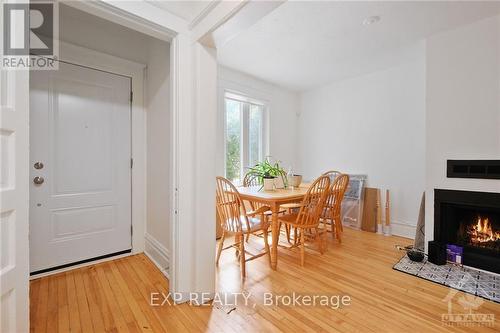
274,199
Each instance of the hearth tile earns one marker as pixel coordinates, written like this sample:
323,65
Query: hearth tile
411,270
471,271
433,276
429,267
461,285
488,285
488,277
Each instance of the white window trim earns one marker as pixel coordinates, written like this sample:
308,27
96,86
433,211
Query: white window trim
244,154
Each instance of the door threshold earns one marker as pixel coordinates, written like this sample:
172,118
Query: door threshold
80,263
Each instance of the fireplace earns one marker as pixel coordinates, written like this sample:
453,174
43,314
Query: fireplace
471,220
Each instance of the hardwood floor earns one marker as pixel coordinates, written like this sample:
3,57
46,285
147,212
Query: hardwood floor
115,296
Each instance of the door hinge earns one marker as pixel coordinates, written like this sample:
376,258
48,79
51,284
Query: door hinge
131,163
131,96
131,230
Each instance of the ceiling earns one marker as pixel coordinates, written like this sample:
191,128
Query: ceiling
301,45
188,10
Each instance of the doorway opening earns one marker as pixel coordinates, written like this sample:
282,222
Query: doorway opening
103,138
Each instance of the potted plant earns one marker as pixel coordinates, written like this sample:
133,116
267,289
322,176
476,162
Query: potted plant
269,174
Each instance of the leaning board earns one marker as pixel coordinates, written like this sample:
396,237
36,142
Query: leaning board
369,221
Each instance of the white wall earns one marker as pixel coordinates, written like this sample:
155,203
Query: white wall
158,150
83,29
463,106
372,124
283,106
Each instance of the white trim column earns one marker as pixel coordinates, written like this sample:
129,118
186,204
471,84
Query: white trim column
205,65
194,114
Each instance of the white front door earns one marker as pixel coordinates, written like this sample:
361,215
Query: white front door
80,166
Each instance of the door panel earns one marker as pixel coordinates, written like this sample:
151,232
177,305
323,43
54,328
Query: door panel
81,133
87,125
72,223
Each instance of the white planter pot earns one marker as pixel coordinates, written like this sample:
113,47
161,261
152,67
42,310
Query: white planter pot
268,184
278,182
294,180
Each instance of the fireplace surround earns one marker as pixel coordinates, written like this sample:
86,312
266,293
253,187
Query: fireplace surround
471,220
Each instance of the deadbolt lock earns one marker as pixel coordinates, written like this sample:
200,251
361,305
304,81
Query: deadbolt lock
38,165
38,180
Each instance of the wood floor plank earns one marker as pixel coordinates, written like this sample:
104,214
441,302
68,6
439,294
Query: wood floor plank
74,313
92,300
116,295
34,301
42,307
142,302
121,300
138,315
83,304
101,302
121,325
62,304
146,272
52,306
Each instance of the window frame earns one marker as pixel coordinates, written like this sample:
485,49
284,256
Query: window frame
244,120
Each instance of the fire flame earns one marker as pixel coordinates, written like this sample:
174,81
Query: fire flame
483,232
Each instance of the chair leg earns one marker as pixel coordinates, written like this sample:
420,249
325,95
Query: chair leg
219,249
325,244
338,230
242,257
302,248
266,244
287,230
321,242
237,238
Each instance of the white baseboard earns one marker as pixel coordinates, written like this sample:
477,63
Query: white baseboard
158,253
403,229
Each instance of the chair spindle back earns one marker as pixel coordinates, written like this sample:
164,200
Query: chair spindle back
229,205
251,180
314,203
336,194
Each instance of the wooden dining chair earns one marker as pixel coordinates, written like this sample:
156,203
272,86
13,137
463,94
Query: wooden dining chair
308,217
251,180
235,219
332,174
332,212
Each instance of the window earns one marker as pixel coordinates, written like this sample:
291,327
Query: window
244,134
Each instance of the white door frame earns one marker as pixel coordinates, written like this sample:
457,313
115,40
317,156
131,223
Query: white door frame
14,193
90,58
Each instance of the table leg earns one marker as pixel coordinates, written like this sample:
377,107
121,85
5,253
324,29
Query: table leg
275,237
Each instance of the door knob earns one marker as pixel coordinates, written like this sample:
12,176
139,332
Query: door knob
38,180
